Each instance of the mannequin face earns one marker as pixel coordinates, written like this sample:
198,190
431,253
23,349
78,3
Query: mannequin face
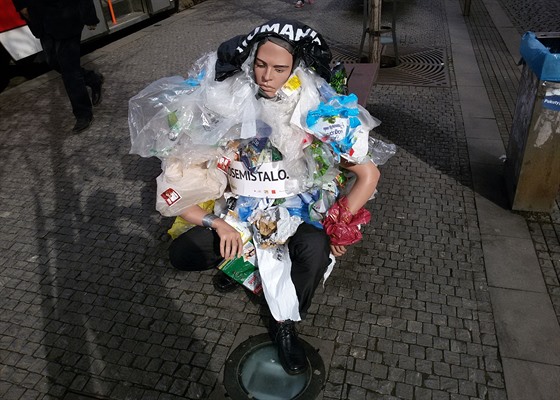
272,68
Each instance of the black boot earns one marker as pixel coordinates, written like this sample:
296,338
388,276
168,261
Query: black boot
96,90
290,349
223,283
82,124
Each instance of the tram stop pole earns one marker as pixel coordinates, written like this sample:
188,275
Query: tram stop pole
374,28
532,169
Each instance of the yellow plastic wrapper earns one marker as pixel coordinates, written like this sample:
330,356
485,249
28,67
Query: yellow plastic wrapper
180,226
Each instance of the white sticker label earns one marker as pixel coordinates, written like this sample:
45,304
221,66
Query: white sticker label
270,180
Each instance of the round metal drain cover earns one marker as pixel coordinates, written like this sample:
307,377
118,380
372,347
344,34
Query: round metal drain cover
253,371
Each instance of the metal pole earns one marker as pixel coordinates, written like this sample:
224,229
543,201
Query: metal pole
394,32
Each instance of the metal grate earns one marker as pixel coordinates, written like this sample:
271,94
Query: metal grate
345,54
417,67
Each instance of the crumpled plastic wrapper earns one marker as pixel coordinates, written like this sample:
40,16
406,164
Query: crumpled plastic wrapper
342,227
380,152
273,226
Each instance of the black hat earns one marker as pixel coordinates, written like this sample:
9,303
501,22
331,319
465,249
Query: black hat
308,45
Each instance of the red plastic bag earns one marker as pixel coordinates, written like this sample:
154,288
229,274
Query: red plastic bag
343,227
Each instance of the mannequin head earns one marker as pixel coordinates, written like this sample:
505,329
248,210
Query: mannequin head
307,46
273,65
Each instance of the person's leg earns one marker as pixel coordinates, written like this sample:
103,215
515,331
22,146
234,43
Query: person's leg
49,49
91,77
68,57
94,80
309,252
198,249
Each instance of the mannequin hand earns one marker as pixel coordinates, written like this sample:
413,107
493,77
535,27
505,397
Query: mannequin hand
231,245
338,250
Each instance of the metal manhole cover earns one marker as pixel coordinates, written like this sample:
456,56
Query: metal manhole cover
253,372
417,67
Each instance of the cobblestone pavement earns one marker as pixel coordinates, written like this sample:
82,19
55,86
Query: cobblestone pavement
536,16
90,308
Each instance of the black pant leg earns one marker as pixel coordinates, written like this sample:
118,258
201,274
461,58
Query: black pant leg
309,252
49,49
92,78
198,249
63,55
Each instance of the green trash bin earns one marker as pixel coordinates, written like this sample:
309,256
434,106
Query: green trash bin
532,169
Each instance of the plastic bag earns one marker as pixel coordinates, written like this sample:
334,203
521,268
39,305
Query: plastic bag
290,139
344,125
180,226
321,164
245,206
273,226
380,152
544,62
180,118
274,267
180,186
151,115
342,227
339,79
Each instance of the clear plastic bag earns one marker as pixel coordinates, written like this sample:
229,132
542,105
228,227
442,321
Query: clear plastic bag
290,140
180,118
341,122
380,152
321,164
152,116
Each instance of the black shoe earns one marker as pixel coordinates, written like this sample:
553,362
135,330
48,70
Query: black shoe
290,349
96,91
82,124
223,283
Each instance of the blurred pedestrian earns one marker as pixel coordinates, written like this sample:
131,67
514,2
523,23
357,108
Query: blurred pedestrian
59,25
300,3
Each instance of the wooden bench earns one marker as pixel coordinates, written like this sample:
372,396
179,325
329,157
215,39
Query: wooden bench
362,76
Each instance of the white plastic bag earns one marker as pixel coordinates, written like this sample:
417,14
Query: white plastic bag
180,186
275,267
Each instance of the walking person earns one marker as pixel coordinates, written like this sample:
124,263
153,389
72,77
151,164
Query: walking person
58,24
300,3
